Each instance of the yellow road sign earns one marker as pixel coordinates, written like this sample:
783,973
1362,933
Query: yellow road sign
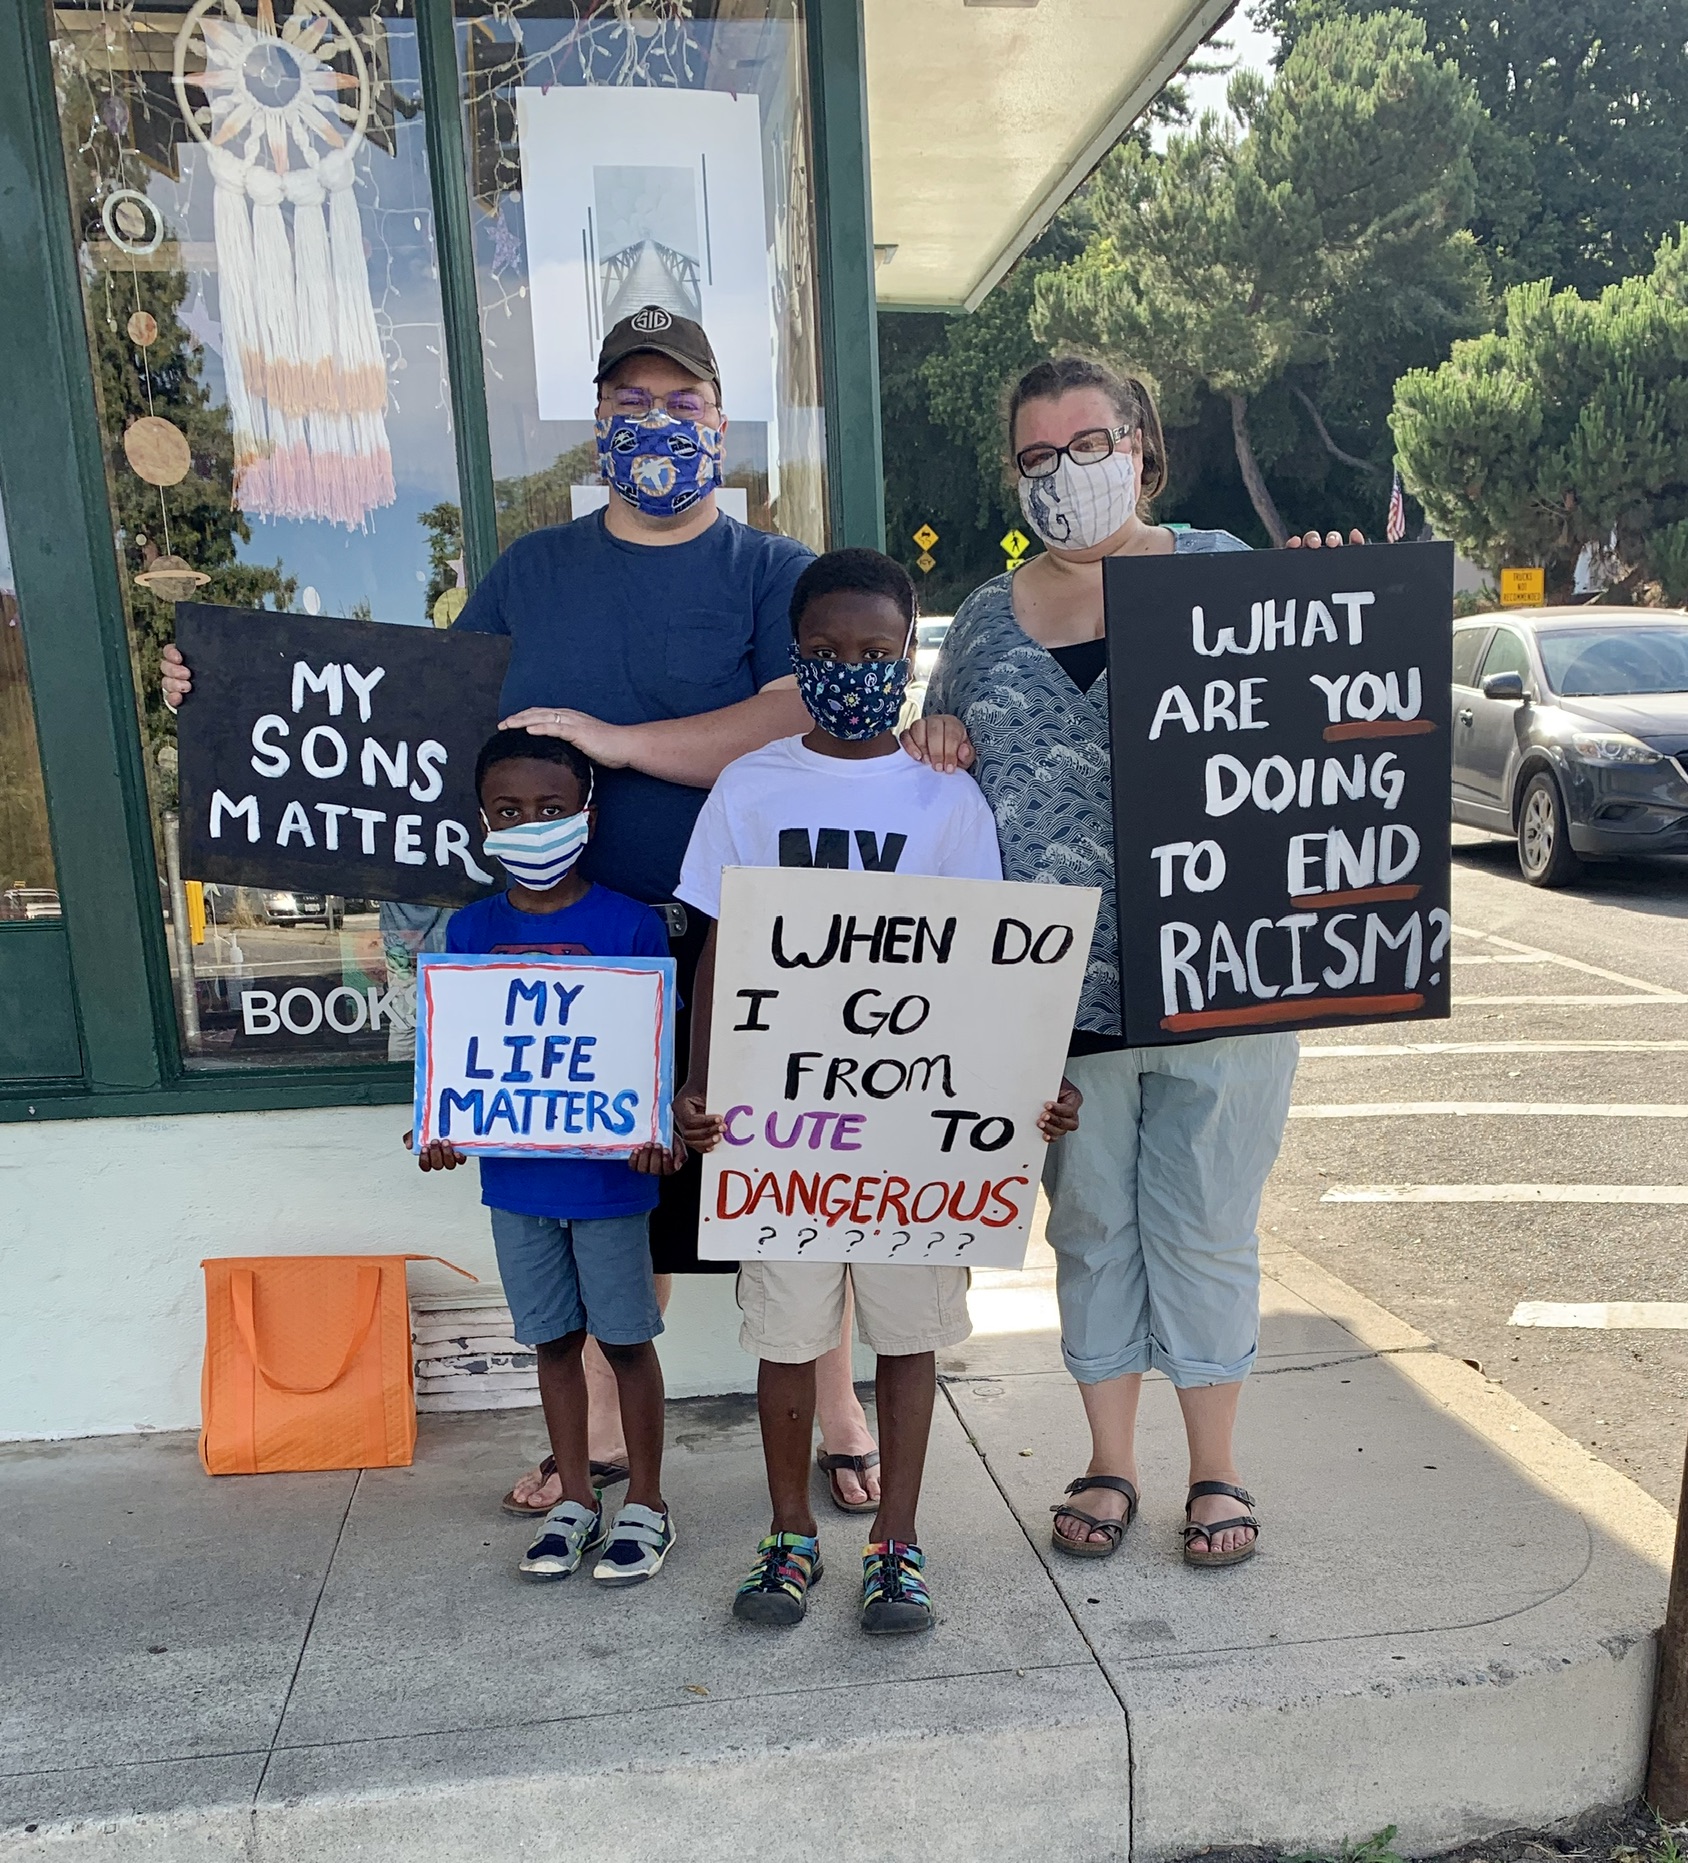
450,605
927,561
926,536
1521,588
1016,543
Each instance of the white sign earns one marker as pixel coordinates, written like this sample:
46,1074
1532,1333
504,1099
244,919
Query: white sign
881,1048
634,196
519,1057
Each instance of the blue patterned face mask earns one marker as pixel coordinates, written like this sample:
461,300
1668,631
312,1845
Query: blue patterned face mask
657,463
852,702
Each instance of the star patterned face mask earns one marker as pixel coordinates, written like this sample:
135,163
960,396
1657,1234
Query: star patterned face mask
853,702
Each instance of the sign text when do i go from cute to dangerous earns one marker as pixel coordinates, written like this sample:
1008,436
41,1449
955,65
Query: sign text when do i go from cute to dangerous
881,1048
1281,781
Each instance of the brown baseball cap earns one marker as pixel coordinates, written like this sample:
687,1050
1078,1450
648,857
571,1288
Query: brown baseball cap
653,330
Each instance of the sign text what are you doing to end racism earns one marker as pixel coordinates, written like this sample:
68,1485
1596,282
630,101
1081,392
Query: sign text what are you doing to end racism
325,752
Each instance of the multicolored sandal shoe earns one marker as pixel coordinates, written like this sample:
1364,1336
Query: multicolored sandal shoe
895,1601
567,1535
776,1588
640,1539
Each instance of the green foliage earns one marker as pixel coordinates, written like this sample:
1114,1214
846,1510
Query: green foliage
1583,156
1378,1848
1301,245
1568,424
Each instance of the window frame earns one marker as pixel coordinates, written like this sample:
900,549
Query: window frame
61,524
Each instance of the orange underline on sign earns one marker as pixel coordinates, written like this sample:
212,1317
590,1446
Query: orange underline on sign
1257,1015
1366,896
1379,727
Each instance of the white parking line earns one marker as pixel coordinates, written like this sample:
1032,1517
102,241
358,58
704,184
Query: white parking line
1657,990
1485,1109
1573,1002
1350,1050
1506,1193
1606,1315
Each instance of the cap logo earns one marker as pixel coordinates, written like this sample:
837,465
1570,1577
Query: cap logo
651,318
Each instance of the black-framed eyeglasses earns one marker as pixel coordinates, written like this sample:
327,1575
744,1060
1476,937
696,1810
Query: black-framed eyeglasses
682,403
1083,449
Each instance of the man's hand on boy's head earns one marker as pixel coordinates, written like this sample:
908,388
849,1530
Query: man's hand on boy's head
700,1129
941,741
438,1155
659,1160
610,746
1061,1113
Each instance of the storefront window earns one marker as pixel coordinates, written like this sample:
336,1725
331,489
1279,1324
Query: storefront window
625,155
27,889
249,187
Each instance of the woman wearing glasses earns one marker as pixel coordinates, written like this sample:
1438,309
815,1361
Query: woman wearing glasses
1153,1201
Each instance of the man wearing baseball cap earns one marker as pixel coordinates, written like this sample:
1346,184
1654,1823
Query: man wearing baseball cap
654,635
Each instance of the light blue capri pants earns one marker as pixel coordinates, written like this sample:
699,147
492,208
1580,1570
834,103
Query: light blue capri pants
1153,1205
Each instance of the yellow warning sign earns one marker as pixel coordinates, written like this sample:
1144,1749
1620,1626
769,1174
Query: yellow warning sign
1521,588
450,605
926,536
927,561
1016,543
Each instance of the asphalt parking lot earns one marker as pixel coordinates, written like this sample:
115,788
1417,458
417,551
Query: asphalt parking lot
1428,1163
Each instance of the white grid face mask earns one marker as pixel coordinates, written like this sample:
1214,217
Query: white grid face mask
1078,507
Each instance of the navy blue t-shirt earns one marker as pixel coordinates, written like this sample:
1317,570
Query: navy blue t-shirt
634,633
603,924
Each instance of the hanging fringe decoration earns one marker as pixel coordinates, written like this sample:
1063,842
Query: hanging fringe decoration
303,364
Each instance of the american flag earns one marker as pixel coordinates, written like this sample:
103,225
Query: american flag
1396,526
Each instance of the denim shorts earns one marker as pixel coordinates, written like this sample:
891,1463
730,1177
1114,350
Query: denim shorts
566,1275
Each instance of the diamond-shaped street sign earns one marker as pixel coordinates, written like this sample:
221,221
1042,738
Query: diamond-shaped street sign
927,561
926,536
1016,543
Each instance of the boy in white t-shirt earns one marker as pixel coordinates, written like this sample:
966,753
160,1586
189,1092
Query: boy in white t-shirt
843,795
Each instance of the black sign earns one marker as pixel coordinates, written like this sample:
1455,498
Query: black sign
334,755
1281,787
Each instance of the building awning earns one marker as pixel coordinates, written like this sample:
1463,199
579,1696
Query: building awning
985,115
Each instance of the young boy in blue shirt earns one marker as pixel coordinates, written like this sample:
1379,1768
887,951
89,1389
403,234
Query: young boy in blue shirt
572,1234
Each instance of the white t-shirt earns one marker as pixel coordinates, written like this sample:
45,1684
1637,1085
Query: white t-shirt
788,806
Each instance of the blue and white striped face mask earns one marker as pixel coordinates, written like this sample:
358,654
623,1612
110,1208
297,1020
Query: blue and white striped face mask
537,854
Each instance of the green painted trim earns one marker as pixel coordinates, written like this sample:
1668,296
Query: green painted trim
844,235
454,243
248,1093
59,521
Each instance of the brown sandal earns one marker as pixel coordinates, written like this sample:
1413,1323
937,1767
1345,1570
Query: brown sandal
1114,1529
831,1464
1194,1529
604,1475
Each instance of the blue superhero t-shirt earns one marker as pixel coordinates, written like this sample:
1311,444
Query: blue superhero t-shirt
602,924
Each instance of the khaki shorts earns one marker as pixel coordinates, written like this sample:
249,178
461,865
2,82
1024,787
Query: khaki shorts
794,1310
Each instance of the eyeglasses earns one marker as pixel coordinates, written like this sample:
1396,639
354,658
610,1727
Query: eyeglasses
1083,449
683,403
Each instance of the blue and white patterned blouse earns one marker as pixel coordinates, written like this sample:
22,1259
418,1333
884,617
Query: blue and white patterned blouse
1042,760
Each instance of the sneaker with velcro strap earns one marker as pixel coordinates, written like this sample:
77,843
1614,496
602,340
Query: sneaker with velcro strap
639,1539
566,1535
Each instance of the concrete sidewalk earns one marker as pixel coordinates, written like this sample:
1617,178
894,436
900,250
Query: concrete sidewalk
1449,1628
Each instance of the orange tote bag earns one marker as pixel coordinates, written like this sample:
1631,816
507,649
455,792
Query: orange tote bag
307,1363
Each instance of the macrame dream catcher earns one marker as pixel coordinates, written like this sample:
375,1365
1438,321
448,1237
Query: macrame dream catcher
306,379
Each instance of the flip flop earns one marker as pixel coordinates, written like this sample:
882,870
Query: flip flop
831,1464
604,1475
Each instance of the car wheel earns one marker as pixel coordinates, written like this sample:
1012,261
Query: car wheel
1545,855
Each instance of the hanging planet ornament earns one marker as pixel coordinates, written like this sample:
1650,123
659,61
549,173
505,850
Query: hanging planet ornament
171,579
158,450
143,329
132,223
